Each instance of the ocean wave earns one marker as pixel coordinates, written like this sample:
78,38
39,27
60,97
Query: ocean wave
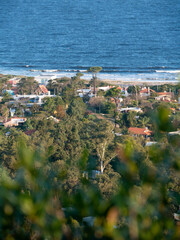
45,70
168,71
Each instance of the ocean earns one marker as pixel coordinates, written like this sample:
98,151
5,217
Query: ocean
131,40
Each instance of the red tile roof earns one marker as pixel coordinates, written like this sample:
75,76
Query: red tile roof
165,93
43,89
144,90
119,88
140,131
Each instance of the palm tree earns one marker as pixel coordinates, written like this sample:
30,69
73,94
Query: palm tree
144,121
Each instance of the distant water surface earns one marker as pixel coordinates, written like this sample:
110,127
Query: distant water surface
123,36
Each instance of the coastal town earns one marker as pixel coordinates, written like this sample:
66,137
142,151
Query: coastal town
89,120
127,107
88,142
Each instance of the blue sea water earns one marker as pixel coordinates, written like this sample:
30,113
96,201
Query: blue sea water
128,38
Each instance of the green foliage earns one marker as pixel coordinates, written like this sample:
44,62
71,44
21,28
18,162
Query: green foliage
108,108
27,85
74,179
77,108
50,104
113,92
6,97
94,70
133,89
127,119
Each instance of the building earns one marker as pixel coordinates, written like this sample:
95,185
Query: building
14,81
54,119
140,131
164,96
41,90
14,121
146,92
128,109
149,144
174,133
43,79
29,100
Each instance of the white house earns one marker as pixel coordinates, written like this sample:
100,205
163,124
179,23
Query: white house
14,121
128,109
43,79
38,99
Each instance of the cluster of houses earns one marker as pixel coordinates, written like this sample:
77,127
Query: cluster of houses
144,92
36,98
42,92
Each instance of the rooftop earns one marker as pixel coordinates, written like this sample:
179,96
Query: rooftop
140,131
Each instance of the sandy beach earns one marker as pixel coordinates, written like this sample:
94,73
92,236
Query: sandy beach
136,82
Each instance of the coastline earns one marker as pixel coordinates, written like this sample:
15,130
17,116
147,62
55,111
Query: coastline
157,77
139,83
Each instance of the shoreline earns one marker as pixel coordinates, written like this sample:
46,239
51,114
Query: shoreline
139,83
117,80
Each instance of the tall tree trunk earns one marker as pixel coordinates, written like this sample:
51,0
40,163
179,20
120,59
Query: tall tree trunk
102,167
94,82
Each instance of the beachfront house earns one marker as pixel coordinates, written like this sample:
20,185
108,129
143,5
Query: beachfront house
14,81
43,79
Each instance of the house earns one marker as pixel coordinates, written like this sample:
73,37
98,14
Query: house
12,111
15,90
106,88
41,90
33,99
14,121
128,109
54,119
14,81
83,92
119,100
174,133
146,92
140,131
10,92
173,110
43,79
164,96
149,144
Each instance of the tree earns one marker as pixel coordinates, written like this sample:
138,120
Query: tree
6,97
114,93
94,71
144,122
97,102
60,112
131,119
134,90
27,85
77,108
77,77
50,104
4,110
99,138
